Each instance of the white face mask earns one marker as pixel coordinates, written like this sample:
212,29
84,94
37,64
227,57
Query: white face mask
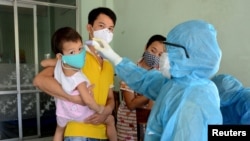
164,65
104,34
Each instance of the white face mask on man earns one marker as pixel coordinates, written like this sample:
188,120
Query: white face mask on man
164,65
104,34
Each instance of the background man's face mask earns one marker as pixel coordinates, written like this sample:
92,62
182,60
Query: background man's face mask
150,59
75,60
164,65
104,34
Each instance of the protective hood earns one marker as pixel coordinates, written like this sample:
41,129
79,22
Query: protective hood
229,88
199,39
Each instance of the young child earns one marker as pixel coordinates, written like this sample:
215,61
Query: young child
67,45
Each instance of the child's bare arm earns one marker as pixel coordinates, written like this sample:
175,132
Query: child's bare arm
49,62
88,99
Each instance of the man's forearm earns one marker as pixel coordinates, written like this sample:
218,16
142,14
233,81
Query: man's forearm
46,82
109,107
51,87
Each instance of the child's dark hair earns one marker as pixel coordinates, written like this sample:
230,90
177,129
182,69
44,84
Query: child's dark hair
64,34
155,37
93,14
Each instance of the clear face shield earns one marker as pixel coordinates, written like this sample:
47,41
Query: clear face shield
178,46
164,65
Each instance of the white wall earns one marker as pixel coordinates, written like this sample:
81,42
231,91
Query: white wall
139,19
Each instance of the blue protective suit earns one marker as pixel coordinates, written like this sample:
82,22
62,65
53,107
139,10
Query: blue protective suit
189,101
235,99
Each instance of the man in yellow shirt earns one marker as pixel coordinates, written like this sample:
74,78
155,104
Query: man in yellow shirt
101,22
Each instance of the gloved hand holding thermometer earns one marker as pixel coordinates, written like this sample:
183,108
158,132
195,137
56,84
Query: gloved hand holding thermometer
105,50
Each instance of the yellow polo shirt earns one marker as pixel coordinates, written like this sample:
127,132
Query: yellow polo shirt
102,77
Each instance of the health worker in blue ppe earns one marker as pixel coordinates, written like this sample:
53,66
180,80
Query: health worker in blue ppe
235,99
187,101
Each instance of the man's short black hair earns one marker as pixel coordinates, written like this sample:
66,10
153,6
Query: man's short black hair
93,14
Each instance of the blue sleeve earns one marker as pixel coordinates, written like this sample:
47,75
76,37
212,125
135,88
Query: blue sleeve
145,82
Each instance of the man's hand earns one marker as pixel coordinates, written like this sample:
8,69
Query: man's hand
97,118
